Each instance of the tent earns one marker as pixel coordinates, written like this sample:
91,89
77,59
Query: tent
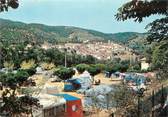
72,84
48,89
137,79
51,106
97,96
83,81
98,90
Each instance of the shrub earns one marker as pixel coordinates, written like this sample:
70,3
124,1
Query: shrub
30,71
64,73
93,70
21,76
101,67
82,67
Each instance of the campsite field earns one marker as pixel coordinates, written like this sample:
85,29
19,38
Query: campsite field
104,81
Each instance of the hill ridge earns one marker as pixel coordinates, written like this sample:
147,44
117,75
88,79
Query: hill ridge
16,30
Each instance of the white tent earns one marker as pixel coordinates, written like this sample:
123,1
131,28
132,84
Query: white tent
49,101
49,89
85,80
85,74
97,96
98,90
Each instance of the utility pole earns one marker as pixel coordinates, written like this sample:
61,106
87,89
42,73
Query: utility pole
65,50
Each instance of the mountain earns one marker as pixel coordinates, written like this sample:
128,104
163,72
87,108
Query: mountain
19,32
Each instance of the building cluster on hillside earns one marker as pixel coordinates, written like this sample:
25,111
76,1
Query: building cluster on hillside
100,50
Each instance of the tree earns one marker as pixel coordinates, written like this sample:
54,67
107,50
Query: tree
5,4
160,59
12,104
138,9
82,67
64,73
101,67
157,30
124,65
21,76
124,101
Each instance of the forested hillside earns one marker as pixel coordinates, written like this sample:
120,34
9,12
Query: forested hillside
18,31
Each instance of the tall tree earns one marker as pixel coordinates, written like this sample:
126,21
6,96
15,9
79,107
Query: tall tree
157,30
140,9
5,4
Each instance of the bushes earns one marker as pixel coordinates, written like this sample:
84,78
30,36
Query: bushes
112,68
94,70
135,68
101,67
21,76
64,73
31,71
11,80
82,67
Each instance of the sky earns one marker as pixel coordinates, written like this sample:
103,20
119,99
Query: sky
90,14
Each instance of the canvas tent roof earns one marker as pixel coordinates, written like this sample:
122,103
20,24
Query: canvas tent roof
67,97
98,96
49,101
99,90
85,74
84,80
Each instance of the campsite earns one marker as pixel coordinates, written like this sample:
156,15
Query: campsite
80,95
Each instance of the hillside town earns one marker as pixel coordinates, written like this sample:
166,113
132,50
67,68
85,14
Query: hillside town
100,50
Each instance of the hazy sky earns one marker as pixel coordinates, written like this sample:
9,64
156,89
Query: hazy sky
90,14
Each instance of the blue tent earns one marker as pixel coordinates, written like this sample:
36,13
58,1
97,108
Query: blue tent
74,84
135,78
76,81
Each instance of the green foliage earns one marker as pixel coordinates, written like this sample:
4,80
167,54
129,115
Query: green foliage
160,59
158,30
134,68
9,80
56,34
14,105
21,76
100,66
94,70
160,56
82,67
117,65
124,67
19,56
110,69
5,4
137,9
30,71
64,73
